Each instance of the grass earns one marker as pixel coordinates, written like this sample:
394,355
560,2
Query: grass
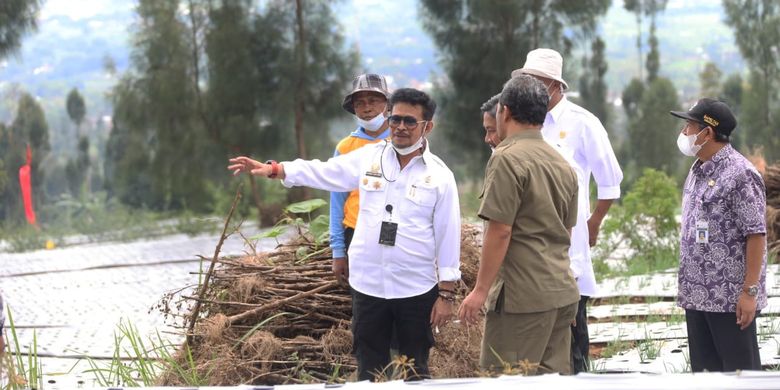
648,348
139,363
22,373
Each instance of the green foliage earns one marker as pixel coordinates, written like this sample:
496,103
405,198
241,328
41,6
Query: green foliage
17,18
652,131
215,82
76,107
22,373
317,228
709,79
646,224
480,43
28,128
653,63
140,363
756,25
593,86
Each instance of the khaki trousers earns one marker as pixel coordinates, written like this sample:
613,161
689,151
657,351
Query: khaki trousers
542,338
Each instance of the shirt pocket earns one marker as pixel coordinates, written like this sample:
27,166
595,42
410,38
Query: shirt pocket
422,195
373,196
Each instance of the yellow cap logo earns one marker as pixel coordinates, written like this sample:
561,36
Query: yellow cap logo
710,121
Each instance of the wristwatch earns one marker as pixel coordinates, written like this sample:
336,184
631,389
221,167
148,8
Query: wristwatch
751,290
274,169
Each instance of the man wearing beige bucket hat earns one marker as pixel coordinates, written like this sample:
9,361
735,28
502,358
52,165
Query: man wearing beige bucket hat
582,138
367,101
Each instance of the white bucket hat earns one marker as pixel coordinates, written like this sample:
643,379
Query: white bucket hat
546,63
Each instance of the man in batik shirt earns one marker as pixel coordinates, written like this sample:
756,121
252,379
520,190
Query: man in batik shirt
723,243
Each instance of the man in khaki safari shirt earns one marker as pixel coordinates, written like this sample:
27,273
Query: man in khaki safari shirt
530,203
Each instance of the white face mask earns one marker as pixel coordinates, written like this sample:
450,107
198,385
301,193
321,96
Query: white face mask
372,124
409,149
687,144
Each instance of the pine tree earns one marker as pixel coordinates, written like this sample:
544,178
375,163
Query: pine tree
17,18
756,25
78,171
709,80
480,43
593,85
28,128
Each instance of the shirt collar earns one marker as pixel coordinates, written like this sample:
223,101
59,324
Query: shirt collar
709,167
527,134
555,114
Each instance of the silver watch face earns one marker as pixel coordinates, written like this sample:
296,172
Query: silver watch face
752,291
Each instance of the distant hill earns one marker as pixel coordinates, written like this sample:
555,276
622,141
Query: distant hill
74,38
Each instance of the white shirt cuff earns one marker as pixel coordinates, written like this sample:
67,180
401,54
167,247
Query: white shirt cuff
449,274
289,174
609,192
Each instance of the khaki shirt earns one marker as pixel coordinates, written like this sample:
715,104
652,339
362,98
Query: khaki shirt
531,187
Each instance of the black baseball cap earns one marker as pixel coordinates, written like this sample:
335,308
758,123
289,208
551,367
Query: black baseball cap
710,112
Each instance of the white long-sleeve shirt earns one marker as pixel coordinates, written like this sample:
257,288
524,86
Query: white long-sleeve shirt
424,200
580,136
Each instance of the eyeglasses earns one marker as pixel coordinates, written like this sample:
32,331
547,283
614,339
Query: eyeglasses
409,121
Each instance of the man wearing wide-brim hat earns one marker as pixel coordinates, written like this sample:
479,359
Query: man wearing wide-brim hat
582,138
722,276
367,101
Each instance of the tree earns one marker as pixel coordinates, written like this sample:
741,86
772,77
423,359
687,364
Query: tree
160,87
593,86
653,56
652,130
17,18
28,128
210,79
480,43
756,25
647,8
77,171
709,78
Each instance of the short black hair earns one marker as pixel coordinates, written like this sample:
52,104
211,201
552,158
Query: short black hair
489,107
414,97
527,99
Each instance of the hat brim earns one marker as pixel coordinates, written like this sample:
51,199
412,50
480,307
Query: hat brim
534,72
347,103
685,115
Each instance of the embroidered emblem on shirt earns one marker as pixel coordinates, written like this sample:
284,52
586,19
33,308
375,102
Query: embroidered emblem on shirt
562,134
374,172
377,185
365,181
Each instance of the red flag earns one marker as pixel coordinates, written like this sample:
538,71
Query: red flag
24,182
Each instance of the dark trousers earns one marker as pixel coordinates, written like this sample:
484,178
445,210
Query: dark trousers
716,343
373,322
580,340
348,234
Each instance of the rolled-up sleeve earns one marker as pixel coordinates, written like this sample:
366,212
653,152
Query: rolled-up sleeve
446,225
597,151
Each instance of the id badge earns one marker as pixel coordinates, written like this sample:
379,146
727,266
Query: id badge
387,233
702,232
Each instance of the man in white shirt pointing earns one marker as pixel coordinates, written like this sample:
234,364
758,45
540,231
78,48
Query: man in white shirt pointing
404,256
581,137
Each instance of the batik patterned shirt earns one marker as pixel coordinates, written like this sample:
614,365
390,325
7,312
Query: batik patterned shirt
727,195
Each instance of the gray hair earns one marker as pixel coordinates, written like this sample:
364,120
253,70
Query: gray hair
489,107
527,99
